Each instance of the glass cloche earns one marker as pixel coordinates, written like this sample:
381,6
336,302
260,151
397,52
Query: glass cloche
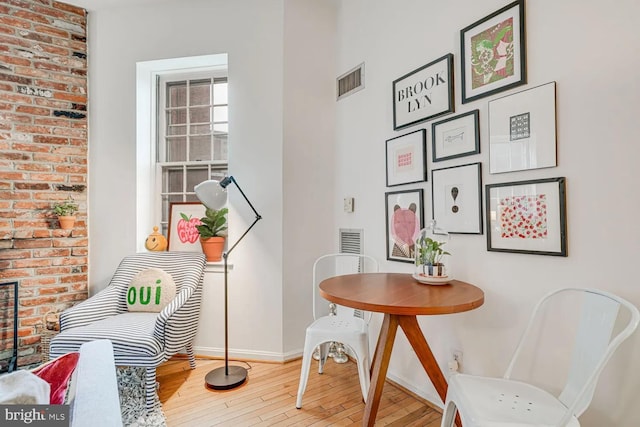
430,254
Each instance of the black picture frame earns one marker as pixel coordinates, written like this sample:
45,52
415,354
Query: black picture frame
527,217
487,59
456,198
424,93
402,225
455,137
406,158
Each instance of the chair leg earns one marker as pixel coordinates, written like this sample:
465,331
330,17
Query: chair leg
150,388
191,355
307,355
449,414
363,373
324,353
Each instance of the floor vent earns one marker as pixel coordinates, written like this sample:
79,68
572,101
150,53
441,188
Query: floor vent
350,82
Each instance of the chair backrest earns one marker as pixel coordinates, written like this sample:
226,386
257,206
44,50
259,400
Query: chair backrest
603,322
186,269
338,264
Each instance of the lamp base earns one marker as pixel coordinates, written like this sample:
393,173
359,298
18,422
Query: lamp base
219,380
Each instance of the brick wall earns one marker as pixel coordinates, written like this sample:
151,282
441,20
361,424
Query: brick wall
43,159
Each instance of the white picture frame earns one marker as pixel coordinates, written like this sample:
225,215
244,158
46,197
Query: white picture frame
456,198
522,130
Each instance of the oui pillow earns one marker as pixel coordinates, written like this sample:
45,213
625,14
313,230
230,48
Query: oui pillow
150,290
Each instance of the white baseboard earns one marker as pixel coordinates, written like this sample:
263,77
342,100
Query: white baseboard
261,356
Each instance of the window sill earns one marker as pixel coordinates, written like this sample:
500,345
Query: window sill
217,267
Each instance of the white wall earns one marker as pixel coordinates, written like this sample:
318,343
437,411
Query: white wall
309,152
250,32
589,49
280,123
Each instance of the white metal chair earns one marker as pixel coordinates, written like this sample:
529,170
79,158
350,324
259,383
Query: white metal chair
348,326
598,326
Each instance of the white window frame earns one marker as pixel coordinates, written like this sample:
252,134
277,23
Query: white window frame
148,205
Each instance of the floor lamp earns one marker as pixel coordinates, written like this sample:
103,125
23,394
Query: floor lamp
213,194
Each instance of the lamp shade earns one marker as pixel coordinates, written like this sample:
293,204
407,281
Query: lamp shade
211,194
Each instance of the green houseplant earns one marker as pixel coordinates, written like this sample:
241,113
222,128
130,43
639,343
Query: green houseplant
213,230
429,254
65,211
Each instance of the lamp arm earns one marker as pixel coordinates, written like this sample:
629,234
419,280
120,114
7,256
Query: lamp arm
258,217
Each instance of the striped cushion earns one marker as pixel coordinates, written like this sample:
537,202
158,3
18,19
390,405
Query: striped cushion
130,334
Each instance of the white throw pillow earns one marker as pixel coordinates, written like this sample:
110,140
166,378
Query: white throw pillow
23,388
150,290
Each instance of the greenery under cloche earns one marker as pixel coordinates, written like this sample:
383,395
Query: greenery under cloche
213,224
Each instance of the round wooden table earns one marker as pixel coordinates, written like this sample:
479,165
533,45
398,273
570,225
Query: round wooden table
401,298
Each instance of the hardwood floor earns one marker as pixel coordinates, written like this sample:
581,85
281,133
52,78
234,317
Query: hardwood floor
269,395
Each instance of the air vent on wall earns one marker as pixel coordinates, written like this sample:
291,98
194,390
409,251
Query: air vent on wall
351,240
351,243
350,82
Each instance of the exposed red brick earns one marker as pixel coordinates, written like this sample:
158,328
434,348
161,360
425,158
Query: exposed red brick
29,263
50,139
30,302
70,97
43,144
14,22
15,60
33,110
70,8
53,290
38,281
25,14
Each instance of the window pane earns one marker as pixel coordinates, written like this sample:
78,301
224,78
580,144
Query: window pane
200,148
176,149
220,147
200,115
221,114
200,93
177,130
195,177
174,181
177,117
201,129
221,127
177,94
220,93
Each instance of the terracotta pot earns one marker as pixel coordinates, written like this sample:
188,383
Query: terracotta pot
66,222
212,248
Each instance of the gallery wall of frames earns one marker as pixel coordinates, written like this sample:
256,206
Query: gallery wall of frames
526,216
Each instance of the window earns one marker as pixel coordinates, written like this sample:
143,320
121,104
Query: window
192,134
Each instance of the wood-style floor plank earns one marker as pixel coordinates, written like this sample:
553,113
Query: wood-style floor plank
268,398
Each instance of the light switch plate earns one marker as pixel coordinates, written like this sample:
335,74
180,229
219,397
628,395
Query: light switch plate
348,204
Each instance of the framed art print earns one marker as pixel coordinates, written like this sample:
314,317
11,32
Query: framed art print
456,136
404,219
182,233
456,194
528,217
522,130
424,93
493,53
406,158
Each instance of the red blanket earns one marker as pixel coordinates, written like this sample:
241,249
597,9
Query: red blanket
58,373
